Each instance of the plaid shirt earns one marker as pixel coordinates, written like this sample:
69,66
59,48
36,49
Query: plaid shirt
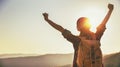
75,40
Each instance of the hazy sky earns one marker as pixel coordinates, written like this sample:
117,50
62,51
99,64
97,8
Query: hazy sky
23,29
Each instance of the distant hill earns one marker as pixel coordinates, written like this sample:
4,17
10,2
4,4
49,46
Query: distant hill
49,60
53,60
112,60
16,55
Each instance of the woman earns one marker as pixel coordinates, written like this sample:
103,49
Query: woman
87,52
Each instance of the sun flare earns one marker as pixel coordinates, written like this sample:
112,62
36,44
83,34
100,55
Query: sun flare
95,16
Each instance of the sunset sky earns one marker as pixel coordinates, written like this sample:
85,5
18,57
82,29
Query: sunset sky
23,29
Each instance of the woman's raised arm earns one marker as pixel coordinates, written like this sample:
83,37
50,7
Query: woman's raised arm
54,25
111,7
101,28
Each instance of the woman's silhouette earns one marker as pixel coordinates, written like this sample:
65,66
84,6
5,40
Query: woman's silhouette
87,52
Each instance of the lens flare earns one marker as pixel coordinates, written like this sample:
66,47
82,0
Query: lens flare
87,24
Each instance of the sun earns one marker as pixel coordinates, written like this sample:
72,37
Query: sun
95,15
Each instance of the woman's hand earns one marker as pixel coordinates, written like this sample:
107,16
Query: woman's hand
110,6
45,16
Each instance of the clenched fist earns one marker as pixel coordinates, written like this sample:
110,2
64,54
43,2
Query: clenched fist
110,6
45,16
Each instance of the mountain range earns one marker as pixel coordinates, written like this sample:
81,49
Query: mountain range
51,60
48,60
112,60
